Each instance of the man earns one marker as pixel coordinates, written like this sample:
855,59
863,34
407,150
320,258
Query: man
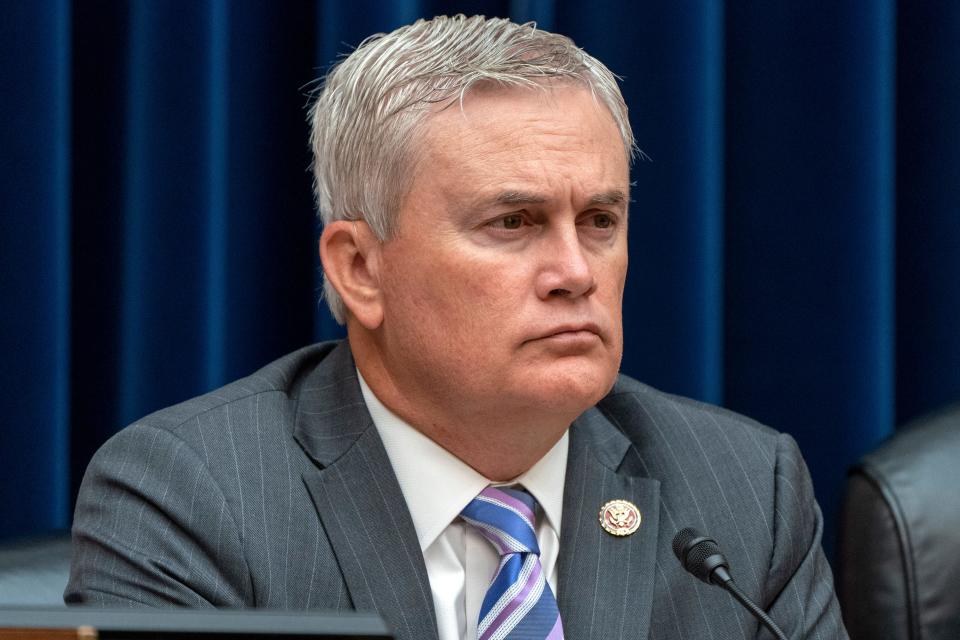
473,178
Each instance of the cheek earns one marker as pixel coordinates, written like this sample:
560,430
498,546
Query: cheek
618,271
444,294
611,275
474,306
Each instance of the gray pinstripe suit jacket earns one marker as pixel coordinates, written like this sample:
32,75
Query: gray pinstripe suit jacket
276,491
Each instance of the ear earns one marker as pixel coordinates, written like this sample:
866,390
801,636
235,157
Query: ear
350,254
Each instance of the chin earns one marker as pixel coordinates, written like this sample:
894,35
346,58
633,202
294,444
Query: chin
574,390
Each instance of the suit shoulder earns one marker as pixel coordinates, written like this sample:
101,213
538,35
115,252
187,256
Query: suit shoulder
637,407
260,406
228,436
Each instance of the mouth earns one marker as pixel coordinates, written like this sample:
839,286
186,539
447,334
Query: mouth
574,332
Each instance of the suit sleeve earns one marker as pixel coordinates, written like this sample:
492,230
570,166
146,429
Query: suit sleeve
803,601
152,528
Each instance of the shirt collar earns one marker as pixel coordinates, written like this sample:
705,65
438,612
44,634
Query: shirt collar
437,485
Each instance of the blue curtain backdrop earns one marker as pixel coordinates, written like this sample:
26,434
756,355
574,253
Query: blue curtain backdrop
795,235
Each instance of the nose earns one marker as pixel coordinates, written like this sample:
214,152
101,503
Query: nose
566,270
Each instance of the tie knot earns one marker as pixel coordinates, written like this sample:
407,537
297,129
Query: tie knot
505,518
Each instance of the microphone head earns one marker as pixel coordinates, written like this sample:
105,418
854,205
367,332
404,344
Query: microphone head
698,554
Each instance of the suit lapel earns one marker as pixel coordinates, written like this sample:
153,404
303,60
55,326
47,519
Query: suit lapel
605,582
360,504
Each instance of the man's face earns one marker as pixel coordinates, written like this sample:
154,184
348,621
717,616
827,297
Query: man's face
502,288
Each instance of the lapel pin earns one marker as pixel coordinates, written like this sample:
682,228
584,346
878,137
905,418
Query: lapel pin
619,517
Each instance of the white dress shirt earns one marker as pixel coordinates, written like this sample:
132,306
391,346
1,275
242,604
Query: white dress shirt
437,486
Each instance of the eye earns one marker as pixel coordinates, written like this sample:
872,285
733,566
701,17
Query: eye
603,221
513,221
509,222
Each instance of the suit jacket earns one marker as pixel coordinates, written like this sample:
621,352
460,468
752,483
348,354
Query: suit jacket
276,491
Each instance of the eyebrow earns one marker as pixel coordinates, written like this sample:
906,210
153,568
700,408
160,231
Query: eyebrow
523,197
518,197
609,197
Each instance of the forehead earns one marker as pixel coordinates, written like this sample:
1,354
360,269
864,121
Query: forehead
506,138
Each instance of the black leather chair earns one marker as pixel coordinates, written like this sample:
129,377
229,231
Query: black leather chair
899,553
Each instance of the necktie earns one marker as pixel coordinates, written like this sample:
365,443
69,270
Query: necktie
519,603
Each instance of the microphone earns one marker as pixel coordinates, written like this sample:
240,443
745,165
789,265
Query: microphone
701,556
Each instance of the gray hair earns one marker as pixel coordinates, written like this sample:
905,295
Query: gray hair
367,113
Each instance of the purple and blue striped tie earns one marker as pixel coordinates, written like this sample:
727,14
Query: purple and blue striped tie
519,603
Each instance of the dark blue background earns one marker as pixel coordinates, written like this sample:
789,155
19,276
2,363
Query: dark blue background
795,237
